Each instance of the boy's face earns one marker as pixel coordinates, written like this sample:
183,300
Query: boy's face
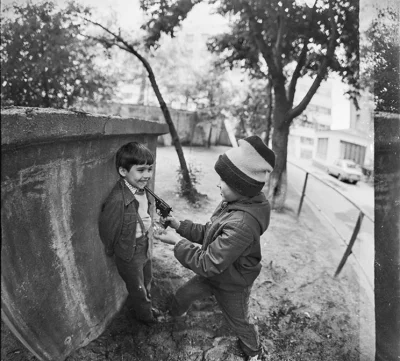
138,176
227,193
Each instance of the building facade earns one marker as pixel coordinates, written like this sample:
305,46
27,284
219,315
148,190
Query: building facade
332,127
316,117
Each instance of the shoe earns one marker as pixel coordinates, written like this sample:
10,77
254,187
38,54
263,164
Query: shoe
156,312
260,357
253,358
168,318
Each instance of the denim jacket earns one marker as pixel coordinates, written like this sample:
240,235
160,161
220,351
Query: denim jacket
118,221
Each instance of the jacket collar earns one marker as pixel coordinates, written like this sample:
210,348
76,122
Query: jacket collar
260,197
128,195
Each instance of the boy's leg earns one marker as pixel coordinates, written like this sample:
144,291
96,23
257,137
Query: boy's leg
148,276
133,275
195,289
235,307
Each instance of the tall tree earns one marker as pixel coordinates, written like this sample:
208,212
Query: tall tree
44,61
285,40
380,53
256,110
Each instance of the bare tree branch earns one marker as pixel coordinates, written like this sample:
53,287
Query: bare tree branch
302,60
278,43
322,71
188,189
276,75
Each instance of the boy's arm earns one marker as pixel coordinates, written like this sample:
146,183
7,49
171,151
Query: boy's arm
220,254
194,232
110,223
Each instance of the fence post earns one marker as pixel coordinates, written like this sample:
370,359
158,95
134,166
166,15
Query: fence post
351,243
303,193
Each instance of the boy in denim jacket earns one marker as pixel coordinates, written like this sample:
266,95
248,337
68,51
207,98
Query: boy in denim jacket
124,223
229,258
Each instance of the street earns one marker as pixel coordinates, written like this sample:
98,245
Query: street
341,213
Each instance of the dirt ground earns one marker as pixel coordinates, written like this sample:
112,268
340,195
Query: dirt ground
302,311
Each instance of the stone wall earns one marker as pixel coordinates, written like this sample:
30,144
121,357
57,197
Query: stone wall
59,289
191,129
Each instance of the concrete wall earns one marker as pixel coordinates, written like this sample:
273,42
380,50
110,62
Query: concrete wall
387,235
191,129
58,289
334,138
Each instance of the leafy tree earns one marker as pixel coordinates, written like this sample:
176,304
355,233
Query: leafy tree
187,74
256,110
283,40
44,61
211,94
178,70
380,52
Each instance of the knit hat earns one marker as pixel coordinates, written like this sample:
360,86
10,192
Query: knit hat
245,168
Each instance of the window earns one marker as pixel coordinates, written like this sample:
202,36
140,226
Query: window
352,151
306,140
322,148
351,165
322,127
319,109
305,153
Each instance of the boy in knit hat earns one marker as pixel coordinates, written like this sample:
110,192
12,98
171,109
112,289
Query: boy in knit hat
228,260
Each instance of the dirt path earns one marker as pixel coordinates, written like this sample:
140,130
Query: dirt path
302,312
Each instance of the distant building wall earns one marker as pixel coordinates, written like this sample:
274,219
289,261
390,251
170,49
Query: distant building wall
328,145
59,289
191,129
301,142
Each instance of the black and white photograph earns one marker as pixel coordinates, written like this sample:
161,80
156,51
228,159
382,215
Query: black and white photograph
200,180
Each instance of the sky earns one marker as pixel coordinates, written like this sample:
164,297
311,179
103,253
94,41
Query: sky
129,14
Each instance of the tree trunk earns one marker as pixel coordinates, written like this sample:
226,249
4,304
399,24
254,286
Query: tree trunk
269,112
188,189
142,87
277,187
209,136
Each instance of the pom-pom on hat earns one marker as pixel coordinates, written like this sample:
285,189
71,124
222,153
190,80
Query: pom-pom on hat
246,167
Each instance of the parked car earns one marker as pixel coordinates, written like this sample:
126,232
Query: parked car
345,170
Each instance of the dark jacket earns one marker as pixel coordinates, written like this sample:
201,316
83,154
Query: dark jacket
230,255
118,220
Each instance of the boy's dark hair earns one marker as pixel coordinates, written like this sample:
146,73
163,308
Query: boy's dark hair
133,153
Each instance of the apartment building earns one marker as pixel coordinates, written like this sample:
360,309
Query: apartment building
332,127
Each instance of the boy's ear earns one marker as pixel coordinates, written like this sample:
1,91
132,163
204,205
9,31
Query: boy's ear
122,171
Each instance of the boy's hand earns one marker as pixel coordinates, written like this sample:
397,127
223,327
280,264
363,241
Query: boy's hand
174,223
167,237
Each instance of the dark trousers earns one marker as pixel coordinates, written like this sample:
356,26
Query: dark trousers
234,306
137,275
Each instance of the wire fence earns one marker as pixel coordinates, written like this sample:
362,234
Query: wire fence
353,225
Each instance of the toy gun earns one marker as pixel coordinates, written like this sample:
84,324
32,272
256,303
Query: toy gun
162,208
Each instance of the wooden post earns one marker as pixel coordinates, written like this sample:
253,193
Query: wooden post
303,193
351,243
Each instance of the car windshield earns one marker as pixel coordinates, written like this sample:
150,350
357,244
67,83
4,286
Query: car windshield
351,165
